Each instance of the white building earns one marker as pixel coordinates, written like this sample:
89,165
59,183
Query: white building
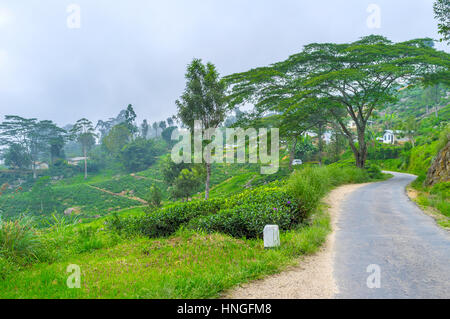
389,137
76,160
41,165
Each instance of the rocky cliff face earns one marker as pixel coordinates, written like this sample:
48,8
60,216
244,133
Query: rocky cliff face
440,168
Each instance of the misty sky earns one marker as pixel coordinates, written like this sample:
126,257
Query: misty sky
136,51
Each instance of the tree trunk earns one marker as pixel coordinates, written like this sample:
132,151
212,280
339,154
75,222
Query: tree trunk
362,152
320,142
85,163
208,177
292,152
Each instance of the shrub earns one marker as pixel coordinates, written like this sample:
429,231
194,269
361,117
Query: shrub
374,171
164,221
19,241
87,240
62,168
247,216
308,186
154,197
248,220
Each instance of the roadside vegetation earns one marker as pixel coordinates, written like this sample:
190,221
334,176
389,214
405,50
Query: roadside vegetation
191,249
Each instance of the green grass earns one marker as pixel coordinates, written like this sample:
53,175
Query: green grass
186,265
91,202
435,198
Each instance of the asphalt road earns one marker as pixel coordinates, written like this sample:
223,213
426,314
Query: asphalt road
380,226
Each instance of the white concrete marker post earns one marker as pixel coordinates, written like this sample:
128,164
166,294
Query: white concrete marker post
271,236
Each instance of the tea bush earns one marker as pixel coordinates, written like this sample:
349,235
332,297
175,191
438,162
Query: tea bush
286,204
164,221
246,214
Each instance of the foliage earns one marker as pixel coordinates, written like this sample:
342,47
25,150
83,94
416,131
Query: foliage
167,135
16,156
187,183
34,137
246,214
349,81
91,202
186,265
155,196
311,183
83,132
165,221
42,193
62,168
19,241
132,185
117,138
204,101
130,117
144,129
444,138
139,154
442,13
171,170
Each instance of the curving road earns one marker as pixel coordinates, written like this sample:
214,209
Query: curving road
379,225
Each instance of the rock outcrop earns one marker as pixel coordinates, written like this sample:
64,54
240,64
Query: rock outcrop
440,168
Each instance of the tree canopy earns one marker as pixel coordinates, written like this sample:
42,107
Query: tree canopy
442,13
348,81
203,100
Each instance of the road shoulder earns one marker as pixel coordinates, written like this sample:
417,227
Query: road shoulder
313,277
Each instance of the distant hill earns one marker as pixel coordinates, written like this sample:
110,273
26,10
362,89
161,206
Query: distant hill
418,102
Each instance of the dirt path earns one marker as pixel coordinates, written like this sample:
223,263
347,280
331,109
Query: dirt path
313,277
120,195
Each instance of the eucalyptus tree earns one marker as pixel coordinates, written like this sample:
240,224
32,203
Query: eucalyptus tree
349,80
144,129
155,128
162,125
203,100
130,117
83,132
34,138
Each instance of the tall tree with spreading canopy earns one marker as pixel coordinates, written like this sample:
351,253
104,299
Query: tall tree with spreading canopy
349,80
83,132
203,100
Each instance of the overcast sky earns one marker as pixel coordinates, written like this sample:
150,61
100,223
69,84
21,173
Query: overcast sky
136,51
